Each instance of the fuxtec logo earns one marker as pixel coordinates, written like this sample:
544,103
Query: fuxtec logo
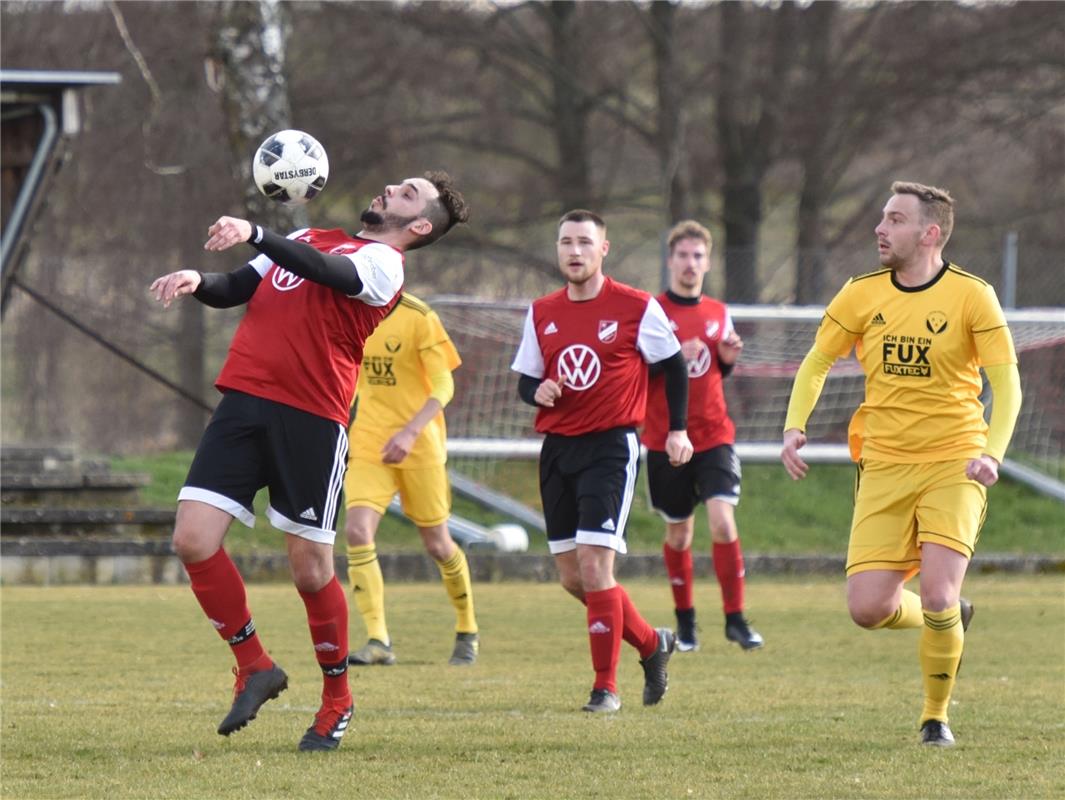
907,356
698,366
378,371
285,281
578,367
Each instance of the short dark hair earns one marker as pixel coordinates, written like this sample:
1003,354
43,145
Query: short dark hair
583,215
937,206
444,211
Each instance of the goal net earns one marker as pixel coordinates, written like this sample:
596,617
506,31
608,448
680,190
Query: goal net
487,421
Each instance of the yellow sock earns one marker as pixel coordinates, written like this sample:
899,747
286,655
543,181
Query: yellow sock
368,589
455,573
907,615
942,640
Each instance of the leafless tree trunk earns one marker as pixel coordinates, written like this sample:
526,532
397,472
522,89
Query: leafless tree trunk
814,195
748,121
249,71
570,109
670,139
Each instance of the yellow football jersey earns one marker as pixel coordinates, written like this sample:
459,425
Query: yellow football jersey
407,347
920,349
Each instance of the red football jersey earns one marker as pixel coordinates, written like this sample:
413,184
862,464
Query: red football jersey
600,348
708,321
300,343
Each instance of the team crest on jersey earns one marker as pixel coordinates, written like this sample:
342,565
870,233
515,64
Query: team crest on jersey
936,322
392,344
698,366
283,280
712,327
608,330
578,367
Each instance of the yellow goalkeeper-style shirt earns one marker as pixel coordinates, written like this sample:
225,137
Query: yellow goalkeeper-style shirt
407,347
920,348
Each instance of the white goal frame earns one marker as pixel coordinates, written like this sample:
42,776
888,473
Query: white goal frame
1051,322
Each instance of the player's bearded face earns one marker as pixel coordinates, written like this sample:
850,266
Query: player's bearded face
900,231
688,263
581,250
378,221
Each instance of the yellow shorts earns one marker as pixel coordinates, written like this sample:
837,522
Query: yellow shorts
899,507
424,492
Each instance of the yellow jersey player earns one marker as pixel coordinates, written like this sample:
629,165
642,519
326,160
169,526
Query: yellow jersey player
398,444
922,328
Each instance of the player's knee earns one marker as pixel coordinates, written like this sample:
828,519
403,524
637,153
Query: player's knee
572,584
357,533
311,575
723,532
190,546
438,542
869,614
938,598
679,540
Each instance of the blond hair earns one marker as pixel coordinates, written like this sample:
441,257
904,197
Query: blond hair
689,229
937,206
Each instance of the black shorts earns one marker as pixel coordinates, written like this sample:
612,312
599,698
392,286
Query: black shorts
712,474
251,443
586,484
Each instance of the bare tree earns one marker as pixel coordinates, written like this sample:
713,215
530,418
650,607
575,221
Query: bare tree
751,87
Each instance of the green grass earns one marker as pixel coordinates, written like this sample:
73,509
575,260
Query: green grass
776,515
116,692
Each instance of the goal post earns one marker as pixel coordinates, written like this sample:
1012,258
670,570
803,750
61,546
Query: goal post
487,421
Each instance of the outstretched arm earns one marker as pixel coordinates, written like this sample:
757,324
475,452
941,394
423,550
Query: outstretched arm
299,258
215,289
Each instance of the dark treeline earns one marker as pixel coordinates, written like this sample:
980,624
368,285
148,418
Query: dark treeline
780,126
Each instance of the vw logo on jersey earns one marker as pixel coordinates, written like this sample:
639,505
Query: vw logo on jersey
712,327
578,367
608,330
285,281
699,365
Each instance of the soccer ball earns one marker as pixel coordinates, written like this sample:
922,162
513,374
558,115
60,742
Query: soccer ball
290,167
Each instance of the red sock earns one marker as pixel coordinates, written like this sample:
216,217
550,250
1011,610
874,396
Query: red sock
680,572
220,589
728,564
327,617
638,631
634,634
605,621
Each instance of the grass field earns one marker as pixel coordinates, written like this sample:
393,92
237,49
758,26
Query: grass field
116,693
776,515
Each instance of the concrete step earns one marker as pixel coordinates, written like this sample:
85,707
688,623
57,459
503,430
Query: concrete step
22,521
64,490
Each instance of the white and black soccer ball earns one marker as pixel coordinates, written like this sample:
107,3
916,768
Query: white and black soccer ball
290,167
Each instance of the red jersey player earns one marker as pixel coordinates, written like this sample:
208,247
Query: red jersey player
583,362
313,298
712,477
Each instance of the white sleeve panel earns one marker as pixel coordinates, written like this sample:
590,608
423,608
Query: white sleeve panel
729,327
529,359
655,338
262,263
380,269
